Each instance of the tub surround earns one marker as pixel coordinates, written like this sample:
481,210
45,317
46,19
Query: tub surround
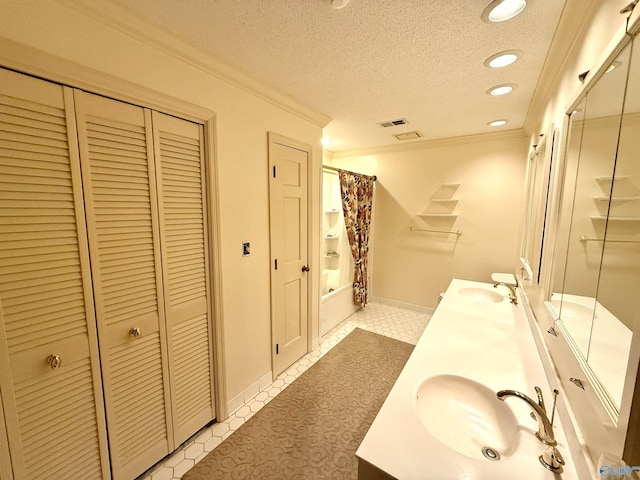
335,307
476,334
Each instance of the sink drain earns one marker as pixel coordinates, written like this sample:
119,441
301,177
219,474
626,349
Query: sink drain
490,454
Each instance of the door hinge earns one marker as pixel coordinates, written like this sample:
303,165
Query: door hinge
274,171
276,263
277,348
553,332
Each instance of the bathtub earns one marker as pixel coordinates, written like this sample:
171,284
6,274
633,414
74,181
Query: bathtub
335,307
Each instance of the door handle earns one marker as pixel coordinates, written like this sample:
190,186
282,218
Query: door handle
54,361
305,268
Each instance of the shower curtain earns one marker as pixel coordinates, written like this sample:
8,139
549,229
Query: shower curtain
357,199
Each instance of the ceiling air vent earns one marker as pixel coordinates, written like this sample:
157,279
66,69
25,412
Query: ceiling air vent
393,123
408,135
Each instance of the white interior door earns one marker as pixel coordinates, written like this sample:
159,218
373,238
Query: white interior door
288,205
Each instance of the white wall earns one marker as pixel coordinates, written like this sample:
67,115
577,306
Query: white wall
243,119
413,268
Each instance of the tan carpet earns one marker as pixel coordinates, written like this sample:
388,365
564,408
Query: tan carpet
312,429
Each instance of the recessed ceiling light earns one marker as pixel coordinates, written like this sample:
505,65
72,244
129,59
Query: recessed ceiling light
502,59
497,123
501,89
502,10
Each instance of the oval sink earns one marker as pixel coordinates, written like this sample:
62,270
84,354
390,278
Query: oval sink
466,416
481,295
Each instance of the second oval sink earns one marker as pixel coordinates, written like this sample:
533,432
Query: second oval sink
466,416
480,295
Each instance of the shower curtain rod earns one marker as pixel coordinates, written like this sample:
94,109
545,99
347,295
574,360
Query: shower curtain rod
326,167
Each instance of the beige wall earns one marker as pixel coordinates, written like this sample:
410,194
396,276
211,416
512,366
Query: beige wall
414,268
243,119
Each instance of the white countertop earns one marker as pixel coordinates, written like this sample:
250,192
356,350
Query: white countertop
490,343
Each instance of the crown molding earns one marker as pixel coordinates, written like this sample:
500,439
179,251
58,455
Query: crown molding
31,61
574,21
118,18
438,143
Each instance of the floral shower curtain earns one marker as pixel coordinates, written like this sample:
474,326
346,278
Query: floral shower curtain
357,198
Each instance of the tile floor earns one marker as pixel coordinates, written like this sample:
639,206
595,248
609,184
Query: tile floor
394,322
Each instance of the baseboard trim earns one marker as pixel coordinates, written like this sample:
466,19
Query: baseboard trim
405,305
248,393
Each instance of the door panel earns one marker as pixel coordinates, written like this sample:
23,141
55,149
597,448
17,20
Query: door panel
289,223
53,405
117,162
180,182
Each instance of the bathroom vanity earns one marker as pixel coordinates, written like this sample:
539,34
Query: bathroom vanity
442,419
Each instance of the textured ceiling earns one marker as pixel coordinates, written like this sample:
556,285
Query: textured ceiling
374,60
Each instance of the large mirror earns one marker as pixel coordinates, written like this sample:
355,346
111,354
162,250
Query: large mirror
596,277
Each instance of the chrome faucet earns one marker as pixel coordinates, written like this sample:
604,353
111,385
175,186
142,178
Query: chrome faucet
512,291
545,429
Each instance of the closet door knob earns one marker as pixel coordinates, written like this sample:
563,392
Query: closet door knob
54,361
135,332
305,268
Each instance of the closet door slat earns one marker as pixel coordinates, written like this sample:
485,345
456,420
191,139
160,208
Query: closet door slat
118,173
54,416
181,192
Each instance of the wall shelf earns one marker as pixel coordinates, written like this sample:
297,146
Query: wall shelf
610,178
616,219
616,199
438,215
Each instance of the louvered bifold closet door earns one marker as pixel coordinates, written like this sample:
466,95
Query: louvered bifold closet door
181,191
116,152
49,368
